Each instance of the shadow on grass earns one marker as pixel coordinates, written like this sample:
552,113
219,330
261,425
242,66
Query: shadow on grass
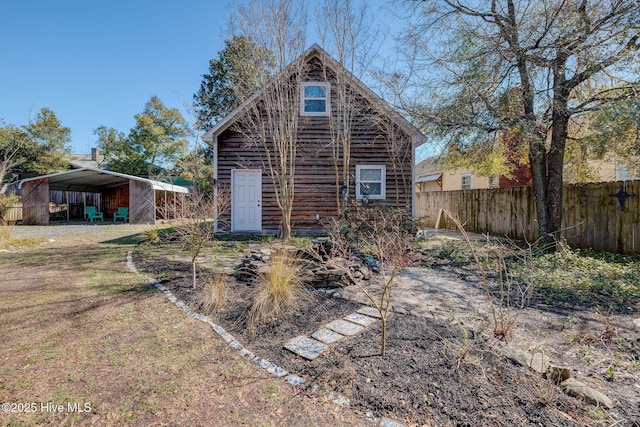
136,238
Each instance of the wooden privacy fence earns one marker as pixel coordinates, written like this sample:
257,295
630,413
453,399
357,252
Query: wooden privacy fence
592,215
14,214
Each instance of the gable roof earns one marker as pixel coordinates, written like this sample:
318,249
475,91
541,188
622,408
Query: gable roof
316,51
89,180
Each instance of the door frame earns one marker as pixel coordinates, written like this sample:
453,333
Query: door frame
233,210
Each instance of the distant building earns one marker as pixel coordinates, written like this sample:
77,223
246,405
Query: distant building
94,160
430,176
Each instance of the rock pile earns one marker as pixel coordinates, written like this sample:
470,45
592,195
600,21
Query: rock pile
318,273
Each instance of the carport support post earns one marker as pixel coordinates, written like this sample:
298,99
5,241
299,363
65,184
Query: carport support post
66,196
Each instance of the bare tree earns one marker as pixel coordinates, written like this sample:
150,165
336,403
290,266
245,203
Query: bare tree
12,141
564,59
271,121
345,31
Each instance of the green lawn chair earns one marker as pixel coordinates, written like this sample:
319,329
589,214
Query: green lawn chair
91,213
121,213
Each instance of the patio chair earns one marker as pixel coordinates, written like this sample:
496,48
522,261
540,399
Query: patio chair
121,213
91,213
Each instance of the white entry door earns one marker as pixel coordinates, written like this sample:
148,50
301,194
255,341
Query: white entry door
246,200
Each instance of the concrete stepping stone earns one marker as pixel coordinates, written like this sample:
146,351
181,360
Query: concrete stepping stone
326,336
360,319
369,311
305,347
343,327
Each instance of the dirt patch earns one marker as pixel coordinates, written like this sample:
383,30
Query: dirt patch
436,371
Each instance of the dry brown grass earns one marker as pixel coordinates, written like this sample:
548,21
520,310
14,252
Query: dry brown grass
77,326
215,293
5,232
279,289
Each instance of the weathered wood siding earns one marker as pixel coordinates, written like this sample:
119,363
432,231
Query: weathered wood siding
114,198
592,218
142,208
35,202
315,180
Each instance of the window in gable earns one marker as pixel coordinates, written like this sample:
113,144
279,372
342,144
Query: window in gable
370,182
314,99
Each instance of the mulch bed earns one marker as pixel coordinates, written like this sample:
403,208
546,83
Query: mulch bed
434,372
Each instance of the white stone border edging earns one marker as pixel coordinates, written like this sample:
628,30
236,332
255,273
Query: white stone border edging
226,336
242,351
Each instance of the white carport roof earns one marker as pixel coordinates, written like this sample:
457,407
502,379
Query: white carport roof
94,180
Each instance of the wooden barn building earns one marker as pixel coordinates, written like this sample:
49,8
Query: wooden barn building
381,155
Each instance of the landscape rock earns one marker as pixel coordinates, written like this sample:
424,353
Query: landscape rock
328,273
578,389
517,356
539,363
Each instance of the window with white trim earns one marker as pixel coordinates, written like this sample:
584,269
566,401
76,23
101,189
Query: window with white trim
314,99
466,182
622,172
371,182
494,181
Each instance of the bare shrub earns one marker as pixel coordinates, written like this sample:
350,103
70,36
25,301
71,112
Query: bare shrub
383,237
196,229
545,388
511,294
279,289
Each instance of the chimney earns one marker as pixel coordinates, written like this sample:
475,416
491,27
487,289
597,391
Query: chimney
94,154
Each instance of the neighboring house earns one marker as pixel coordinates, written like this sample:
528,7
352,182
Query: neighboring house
431,177
241,166
608,169
94,160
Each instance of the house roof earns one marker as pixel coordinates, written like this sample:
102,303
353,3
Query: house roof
93,180
429,178
316,51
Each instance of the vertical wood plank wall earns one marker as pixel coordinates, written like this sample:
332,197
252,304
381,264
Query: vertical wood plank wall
315,182
591,217
35,202
142,207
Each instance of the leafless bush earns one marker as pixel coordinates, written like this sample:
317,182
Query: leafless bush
383,238
196,229
512,294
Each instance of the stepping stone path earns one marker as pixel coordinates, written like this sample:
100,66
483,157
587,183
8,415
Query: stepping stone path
344,327
326,336
310,348
305,347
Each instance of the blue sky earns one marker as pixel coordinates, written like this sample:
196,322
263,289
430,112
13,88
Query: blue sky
98,62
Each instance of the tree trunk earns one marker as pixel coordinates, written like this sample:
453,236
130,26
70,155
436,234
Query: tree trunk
538,162
555,158
383,337
286,223
193,265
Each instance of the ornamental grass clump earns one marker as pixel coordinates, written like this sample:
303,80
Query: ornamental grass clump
215,293
280,289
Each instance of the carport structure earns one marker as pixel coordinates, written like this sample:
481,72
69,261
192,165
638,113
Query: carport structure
146,199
